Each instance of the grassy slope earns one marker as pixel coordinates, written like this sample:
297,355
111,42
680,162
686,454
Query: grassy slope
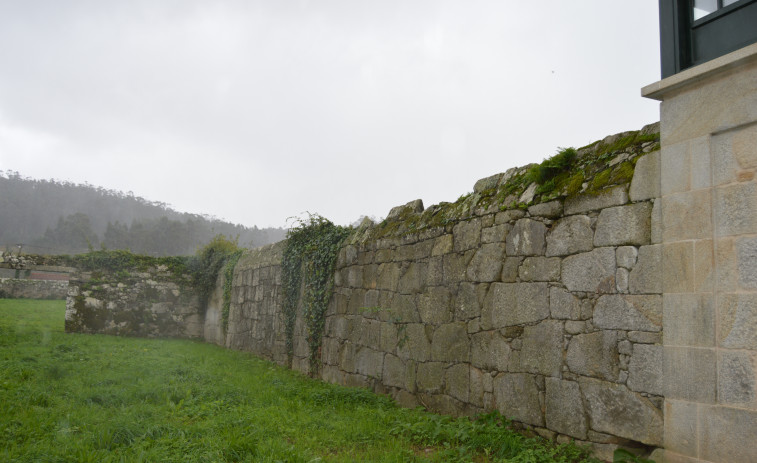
90,398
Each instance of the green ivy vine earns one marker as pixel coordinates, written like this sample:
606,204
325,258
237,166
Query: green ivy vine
228,273
308,264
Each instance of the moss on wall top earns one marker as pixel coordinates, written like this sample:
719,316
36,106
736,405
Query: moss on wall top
587,170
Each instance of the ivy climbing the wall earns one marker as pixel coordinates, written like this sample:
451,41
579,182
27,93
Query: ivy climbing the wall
308,264
228,273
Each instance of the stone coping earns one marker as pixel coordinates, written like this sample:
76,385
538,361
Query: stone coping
659,90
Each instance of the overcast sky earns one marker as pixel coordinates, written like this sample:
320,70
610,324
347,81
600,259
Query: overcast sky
255,111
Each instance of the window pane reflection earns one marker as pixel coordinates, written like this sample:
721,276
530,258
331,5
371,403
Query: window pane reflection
704,7
728,2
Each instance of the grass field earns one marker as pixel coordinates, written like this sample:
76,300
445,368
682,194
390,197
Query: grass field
91,398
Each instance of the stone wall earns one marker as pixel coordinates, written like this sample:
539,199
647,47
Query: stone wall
551,313
33,289
152,302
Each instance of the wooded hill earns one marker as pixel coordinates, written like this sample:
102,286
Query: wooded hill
56,217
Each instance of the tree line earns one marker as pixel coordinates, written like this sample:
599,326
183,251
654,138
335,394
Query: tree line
55,217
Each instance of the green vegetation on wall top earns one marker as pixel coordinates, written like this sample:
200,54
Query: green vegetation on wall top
587,170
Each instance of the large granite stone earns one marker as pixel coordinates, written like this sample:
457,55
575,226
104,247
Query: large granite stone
490,351
517,397
527,238
594,354
578,204
564,409
645,369
624,225
646,275
646,178
636,313
486,264
570,235
540,268
467,235
592,271
613,409
542,349
450,343
509,304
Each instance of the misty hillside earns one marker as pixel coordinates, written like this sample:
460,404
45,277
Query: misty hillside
54,217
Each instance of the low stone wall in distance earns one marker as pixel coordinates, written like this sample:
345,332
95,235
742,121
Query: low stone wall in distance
16,288
147,302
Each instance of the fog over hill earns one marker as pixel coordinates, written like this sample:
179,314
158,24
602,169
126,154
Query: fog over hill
58,217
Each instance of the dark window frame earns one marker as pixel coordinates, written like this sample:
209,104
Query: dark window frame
685,43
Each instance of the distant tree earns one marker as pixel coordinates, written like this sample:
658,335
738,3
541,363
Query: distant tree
72,234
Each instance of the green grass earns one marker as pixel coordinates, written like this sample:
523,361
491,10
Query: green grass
91,398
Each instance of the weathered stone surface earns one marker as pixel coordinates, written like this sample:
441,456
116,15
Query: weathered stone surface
690,374
495,234
450,343
570,235
430,377
625,256
646,275
415,207
540,269
746,256
486,264
442,245
517,397
509,304
508,216
734,207
467,304
398,373
624,225
592,271
487,183
542,350
736,378
738,321
645,369
594,354
564,305
510,269
455,267
637,313
490,351
417,345
564,408
466,235
681,427
578,204
621,280
434,305
551,209
727,434
613,409
369,362
688,319
527,238
457,381
388,276
687,215
646,178
528,194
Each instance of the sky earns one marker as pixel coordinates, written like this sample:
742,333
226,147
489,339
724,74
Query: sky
255,111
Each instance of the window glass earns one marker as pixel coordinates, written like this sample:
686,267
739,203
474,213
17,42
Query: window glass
728,2
704,7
